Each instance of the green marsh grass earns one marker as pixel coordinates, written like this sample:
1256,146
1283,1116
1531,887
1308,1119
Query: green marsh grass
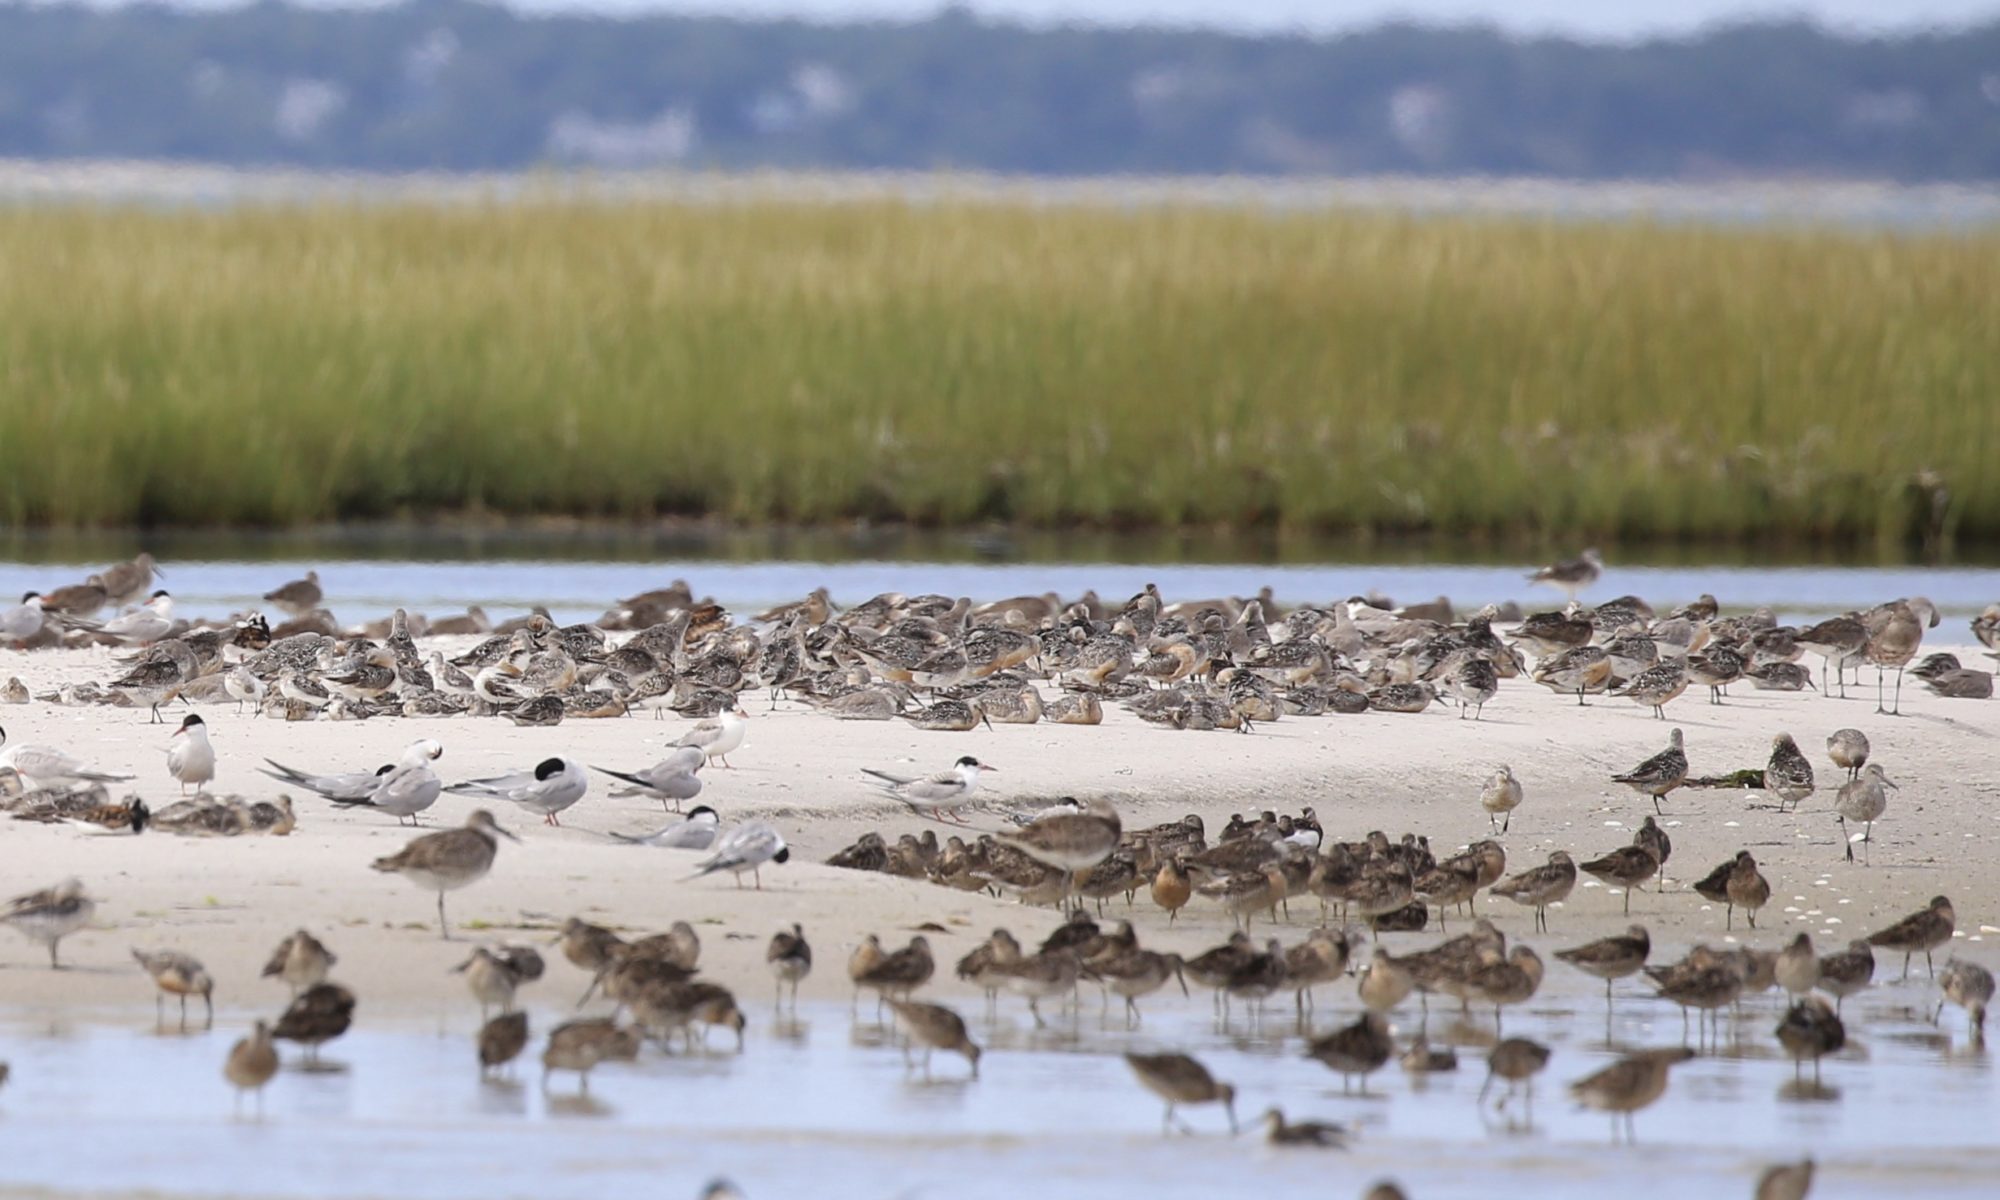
970,362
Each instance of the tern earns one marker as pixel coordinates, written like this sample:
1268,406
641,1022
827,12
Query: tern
719,738
674,778
931,795
23,621
140,627
550,787
696,832
404,790
191,761
746,847
353,787
46,767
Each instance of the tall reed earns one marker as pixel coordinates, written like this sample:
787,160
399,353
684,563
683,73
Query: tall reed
971,361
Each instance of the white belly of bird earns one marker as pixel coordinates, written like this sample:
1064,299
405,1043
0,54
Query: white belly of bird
47,927
432,881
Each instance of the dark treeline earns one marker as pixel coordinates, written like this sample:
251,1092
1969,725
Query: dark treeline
449,84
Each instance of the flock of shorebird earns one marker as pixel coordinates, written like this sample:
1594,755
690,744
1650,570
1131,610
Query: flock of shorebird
945,664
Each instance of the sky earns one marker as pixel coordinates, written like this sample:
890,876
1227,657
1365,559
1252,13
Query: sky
1595,19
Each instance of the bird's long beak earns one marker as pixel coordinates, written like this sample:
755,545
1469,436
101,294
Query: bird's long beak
984,767
1891,783
503,833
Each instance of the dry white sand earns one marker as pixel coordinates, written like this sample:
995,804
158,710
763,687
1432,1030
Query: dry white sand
229,901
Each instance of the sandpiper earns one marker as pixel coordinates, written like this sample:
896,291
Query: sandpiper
50,915
1179,1080
1925,931
1628,1085
300,961
1746,888
1787,1181
501,1040
1611,958
580,1045
1797,968
1323,1134
252,1061
937,1028
1810,1029
1516,1060
1627,866
1968,985
1864,799
492,975
316,1016
1844,973
1541,886
1069,840
1572,575
790,959
1501,796
1358,1049
449,860
177,974
1659,774
298,597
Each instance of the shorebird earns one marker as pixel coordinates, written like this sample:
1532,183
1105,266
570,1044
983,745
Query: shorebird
300,961
50,915
1797,968
298,597
1925,930
696,831
501,1040
670,781
1895,631
1516,1060
1628,867
937,1028
1787,1181
43,767
1541,886
1501,796
1514,980
1862,799
1583,670
125,582
746,847
790,958
315,1017
1838,642
176,974
1968,985
251,1064
1848,748
1322,1134
1179,1080
891,975
78,599
446,861
1572,575
244,688
1810,1029
947,791
1789,774
1611,958
191,761
493,975
1847,972
1659,774
552,785
580,1045
1657,687
718,738
1628,1085
1069,840
1358,1049
1736,883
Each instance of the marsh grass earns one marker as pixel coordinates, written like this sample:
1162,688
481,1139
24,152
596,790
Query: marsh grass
960,362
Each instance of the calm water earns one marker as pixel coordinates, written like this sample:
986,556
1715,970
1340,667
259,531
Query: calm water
825,1107
577,575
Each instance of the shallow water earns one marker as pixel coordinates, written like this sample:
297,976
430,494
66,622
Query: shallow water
824,1106
366,588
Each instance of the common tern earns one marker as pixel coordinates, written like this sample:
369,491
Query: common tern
674,778
140,627
43,766
720,737
746,847
550,787
696,832
931,795
404,790
353,787
23,621
191,759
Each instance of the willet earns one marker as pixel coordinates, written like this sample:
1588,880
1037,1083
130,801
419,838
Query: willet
449,860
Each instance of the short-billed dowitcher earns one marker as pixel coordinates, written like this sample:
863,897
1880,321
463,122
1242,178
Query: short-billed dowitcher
936,1027
1322,1134
1787,1181
1539,887
1627,866
1846,972
1797,967
252,1061
790,959
1628,1085
1572,575
1611,958
315,1017
1925,930
1810,1029
492,975
300,961
1516,1060
580,1045
1357,1049
1179,1079
501,1040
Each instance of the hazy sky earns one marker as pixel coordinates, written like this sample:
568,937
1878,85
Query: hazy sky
1589,18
